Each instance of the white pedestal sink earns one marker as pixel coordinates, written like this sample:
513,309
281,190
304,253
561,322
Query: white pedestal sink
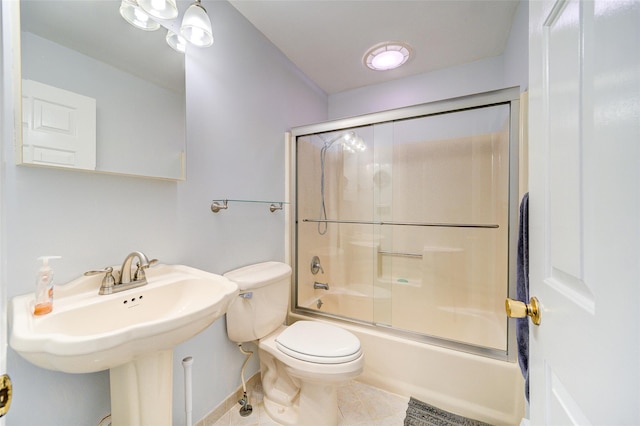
131,333
141,389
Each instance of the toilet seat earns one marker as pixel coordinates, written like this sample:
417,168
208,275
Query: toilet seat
317,342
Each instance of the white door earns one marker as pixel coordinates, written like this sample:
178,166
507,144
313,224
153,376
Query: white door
584,211
58,127
5,405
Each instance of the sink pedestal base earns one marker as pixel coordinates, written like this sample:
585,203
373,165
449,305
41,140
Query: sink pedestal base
141,391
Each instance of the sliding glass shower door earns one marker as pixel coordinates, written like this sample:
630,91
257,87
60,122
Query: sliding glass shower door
408,220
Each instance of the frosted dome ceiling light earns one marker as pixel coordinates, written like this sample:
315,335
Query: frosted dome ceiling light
387,55
196,26
133,14
176,41
163,9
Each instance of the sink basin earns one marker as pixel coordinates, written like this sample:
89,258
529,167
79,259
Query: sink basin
131,333
87,332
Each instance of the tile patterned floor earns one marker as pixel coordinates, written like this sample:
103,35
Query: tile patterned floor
359,405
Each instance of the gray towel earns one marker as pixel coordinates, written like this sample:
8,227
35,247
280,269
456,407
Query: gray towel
522,291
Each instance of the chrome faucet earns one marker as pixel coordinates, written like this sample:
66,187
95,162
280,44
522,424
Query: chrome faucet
139,275
111,284
320,286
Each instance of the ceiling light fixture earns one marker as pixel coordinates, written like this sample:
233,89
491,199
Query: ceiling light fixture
176,41
133,14
162,9
196,26
387,56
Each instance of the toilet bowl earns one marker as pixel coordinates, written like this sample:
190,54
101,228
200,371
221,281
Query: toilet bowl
301,365
315,370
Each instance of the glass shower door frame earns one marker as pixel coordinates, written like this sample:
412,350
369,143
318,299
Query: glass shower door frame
510,97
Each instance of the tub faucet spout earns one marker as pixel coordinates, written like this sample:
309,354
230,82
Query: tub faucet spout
320,286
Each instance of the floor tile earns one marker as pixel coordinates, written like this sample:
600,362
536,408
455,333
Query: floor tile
359,404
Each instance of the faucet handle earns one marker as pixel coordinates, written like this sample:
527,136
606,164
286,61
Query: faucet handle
315,265
108,281
139,274
151,263
107,271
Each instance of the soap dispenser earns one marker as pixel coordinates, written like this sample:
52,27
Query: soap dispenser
44,287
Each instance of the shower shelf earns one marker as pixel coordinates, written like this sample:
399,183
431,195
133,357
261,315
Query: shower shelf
383,222
217,205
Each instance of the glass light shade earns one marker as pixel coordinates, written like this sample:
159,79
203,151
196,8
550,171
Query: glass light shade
162,9
176,41
387,60
133,14
387,56
196,26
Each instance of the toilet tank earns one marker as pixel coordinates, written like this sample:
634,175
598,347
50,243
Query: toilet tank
262,305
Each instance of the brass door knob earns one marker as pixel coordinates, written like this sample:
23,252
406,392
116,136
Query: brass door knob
6,393
517,309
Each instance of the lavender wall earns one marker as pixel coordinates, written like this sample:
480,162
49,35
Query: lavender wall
242,95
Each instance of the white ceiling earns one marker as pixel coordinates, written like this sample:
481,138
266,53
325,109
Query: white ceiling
327,39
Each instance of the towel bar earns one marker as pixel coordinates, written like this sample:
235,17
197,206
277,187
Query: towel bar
217,205
364,222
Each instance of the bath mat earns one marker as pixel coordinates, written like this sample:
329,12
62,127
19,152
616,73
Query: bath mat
422,414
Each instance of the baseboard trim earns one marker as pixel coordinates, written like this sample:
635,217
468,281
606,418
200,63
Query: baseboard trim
230,402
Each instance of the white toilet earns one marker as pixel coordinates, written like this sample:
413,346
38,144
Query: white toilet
301,365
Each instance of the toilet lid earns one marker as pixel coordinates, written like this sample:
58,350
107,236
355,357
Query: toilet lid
317,342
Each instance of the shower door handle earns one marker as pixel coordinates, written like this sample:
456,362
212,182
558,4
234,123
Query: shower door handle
517,309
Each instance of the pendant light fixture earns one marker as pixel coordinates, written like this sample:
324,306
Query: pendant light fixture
196,26
176,41
162,9
133,14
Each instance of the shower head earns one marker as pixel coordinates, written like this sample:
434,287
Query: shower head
350,141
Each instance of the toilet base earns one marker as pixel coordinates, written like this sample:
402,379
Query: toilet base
316,404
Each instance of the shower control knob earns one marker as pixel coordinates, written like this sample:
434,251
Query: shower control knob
517,309
315,265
